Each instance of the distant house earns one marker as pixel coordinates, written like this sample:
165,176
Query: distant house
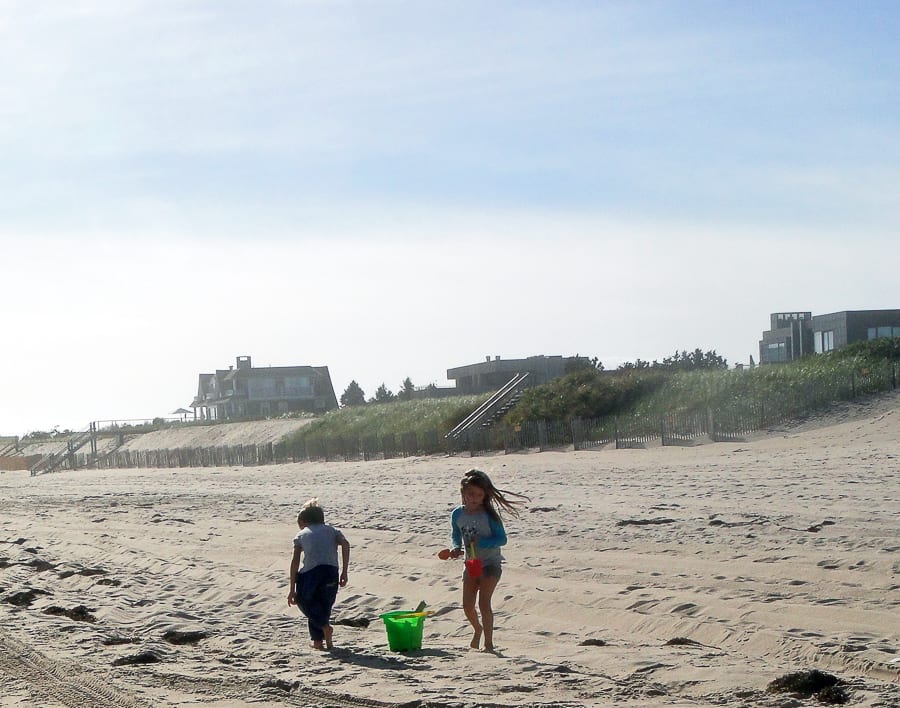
492,374
793,335
244,392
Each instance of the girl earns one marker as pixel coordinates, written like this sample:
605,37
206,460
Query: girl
476,524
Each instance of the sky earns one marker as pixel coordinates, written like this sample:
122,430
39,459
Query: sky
395,188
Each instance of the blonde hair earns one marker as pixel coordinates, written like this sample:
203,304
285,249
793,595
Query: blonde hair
311,512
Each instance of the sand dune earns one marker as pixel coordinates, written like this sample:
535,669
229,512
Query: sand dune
666,577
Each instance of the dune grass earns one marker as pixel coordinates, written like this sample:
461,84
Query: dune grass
783,390
377,419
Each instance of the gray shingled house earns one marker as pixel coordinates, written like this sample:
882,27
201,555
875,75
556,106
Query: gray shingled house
242,391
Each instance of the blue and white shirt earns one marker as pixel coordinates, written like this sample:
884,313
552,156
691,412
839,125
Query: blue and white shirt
487,533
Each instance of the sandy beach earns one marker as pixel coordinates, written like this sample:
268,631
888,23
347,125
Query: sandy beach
676,576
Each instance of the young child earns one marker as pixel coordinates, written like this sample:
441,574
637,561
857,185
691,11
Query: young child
314,586
476,522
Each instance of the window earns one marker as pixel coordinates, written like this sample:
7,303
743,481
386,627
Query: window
823,341
876,332
776,352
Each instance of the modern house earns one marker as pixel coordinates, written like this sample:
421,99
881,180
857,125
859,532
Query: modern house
492,374
793,335
242,391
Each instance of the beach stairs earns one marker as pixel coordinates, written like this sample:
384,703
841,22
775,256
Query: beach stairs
493,408
9,448
55,460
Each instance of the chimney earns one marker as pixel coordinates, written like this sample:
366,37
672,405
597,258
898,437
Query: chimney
243,362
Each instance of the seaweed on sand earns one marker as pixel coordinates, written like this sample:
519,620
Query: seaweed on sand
825,687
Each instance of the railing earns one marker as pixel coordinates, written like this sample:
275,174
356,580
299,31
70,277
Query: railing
510,389
9,446
55,460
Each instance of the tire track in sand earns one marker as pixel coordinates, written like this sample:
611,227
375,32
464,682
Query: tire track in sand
45,679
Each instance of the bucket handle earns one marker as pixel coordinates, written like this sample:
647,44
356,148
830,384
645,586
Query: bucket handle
407,615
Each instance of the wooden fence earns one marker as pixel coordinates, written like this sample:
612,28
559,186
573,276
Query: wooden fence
723,423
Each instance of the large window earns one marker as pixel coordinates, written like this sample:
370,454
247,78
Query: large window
823,341
876,332
776,352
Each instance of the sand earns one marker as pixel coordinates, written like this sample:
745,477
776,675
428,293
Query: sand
656,577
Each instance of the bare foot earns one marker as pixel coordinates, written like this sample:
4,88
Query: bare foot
489,649
329,632
317,645
476,638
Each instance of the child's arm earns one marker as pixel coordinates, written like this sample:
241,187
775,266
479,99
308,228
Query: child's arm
455,535
497,537
295,566
345,559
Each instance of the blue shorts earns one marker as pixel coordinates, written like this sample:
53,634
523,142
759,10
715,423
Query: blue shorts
488,571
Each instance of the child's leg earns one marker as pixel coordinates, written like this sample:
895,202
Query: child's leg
485,593
329,591
470,590
308,604
316,591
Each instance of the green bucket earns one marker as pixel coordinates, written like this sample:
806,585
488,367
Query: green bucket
404,631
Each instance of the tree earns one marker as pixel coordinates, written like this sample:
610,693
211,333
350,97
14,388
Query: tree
383,395
693,361
406,390
637,364
578,362
353,395
681,361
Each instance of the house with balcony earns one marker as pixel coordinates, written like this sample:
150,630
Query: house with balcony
793,335
242,391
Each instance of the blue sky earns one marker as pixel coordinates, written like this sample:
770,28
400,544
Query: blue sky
396,188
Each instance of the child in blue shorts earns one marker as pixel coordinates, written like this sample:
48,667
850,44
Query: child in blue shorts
314,585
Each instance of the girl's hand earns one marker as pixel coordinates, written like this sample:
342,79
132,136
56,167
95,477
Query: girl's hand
292,600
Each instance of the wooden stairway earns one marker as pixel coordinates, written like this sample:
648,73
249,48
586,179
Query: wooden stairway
54,460
493,408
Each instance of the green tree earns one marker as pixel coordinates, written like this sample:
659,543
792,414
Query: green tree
406,390
693,361
353,395
383,395
579,362
637,364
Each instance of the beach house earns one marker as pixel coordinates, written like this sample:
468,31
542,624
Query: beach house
793,335
242,391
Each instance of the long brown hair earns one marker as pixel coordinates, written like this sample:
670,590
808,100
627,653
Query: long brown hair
493,497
